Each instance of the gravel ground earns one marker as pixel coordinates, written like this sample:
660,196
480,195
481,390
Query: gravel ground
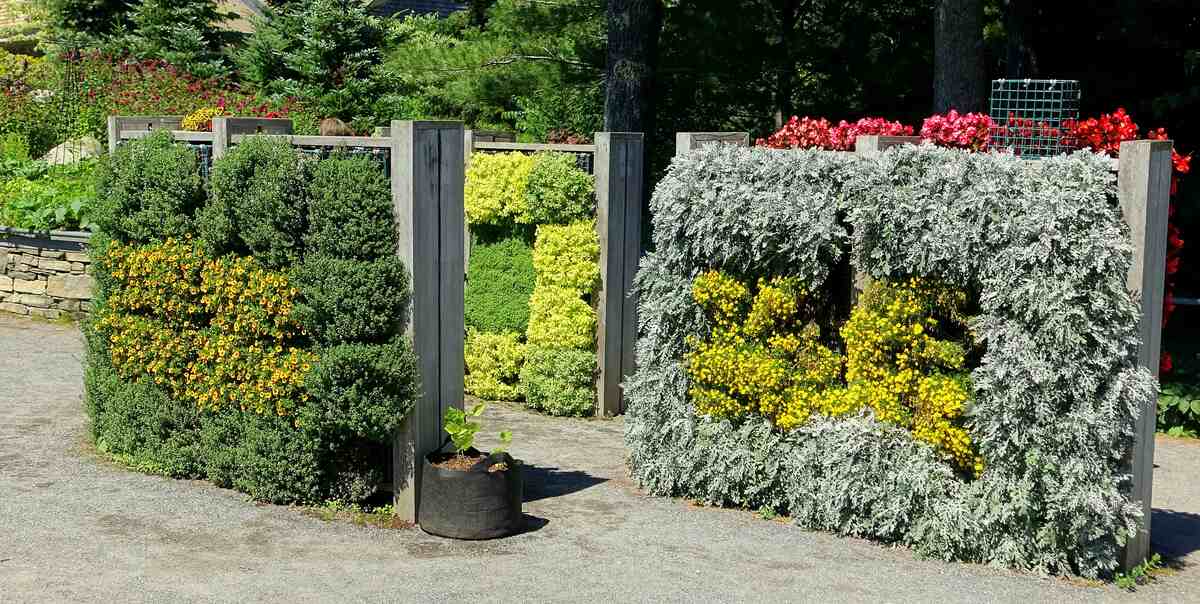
75,527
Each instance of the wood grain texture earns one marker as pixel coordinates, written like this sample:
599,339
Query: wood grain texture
619,184
1143,189
686,141
427,183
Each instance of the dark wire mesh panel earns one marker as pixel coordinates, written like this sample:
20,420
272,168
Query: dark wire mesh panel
205,155
1029,115
584,160
380,156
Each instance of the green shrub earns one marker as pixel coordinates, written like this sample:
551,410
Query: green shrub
265,456
361,390
351,300
499,282
560,381
568,256
494,365
138,423
559,317
350,210
495,188
558,192
148,190
259,201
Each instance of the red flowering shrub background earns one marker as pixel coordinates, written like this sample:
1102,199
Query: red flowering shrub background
974,131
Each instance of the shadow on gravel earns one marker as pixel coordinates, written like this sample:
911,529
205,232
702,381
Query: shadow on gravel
542,482
533,523
1174,534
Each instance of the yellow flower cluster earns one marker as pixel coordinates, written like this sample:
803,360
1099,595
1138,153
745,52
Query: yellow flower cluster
215,332
201,119
253,377
764,357
896,366
763,365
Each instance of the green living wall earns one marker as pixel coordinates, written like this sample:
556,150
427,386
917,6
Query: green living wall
248,332
531,279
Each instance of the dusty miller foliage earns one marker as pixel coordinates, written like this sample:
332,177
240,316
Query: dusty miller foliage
1056,393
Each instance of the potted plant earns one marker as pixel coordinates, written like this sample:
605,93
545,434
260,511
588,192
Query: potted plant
466,494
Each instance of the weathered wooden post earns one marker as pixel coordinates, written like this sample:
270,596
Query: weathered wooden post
686,141
619,184
1144,189
867,146
427,194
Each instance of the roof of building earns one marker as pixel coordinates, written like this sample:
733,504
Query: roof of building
388,8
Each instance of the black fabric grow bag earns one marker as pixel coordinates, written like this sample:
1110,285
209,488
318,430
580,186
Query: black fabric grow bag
474,503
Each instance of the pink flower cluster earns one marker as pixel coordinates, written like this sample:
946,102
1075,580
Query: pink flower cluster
809,133
961,130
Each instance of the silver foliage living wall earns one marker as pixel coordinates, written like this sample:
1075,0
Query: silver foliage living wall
1056,393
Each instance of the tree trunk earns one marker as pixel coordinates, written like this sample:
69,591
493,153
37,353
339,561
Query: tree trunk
788,13
633,30
1018,56
958,65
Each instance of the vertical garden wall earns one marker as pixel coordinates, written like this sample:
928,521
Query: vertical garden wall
252,331
261,299
545,307
981,401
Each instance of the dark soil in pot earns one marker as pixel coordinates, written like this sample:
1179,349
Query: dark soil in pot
473,496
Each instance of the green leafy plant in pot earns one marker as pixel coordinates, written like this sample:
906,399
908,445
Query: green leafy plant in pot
466,494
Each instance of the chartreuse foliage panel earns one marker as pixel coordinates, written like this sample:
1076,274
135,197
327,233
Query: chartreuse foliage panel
975,405
237,337
530,307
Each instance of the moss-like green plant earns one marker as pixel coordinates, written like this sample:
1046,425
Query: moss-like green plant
560,381
500,280
351,300
259,201
494,365
558,191
558,317
568,256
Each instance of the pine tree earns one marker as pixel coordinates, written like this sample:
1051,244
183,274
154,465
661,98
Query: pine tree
185,33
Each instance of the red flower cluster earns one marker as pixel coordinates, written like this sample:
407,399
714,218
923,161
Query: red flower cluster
964,131
1103,134
800,133
809,133
118,86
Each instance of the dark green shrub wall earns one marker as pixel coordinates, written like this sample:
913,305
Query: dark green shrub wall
351,306
148,190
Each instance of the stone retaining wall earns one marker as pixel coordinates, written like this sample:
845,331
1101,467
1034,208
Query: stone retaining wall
44,277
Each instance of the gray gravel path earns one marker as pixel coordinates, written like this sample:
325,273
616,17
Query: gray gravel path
76,528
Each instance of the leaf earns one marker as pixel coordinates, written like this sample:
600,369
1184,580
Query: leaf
506,436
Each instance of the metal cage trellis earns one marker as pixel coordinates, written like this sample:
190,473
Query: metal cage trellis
1030,115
